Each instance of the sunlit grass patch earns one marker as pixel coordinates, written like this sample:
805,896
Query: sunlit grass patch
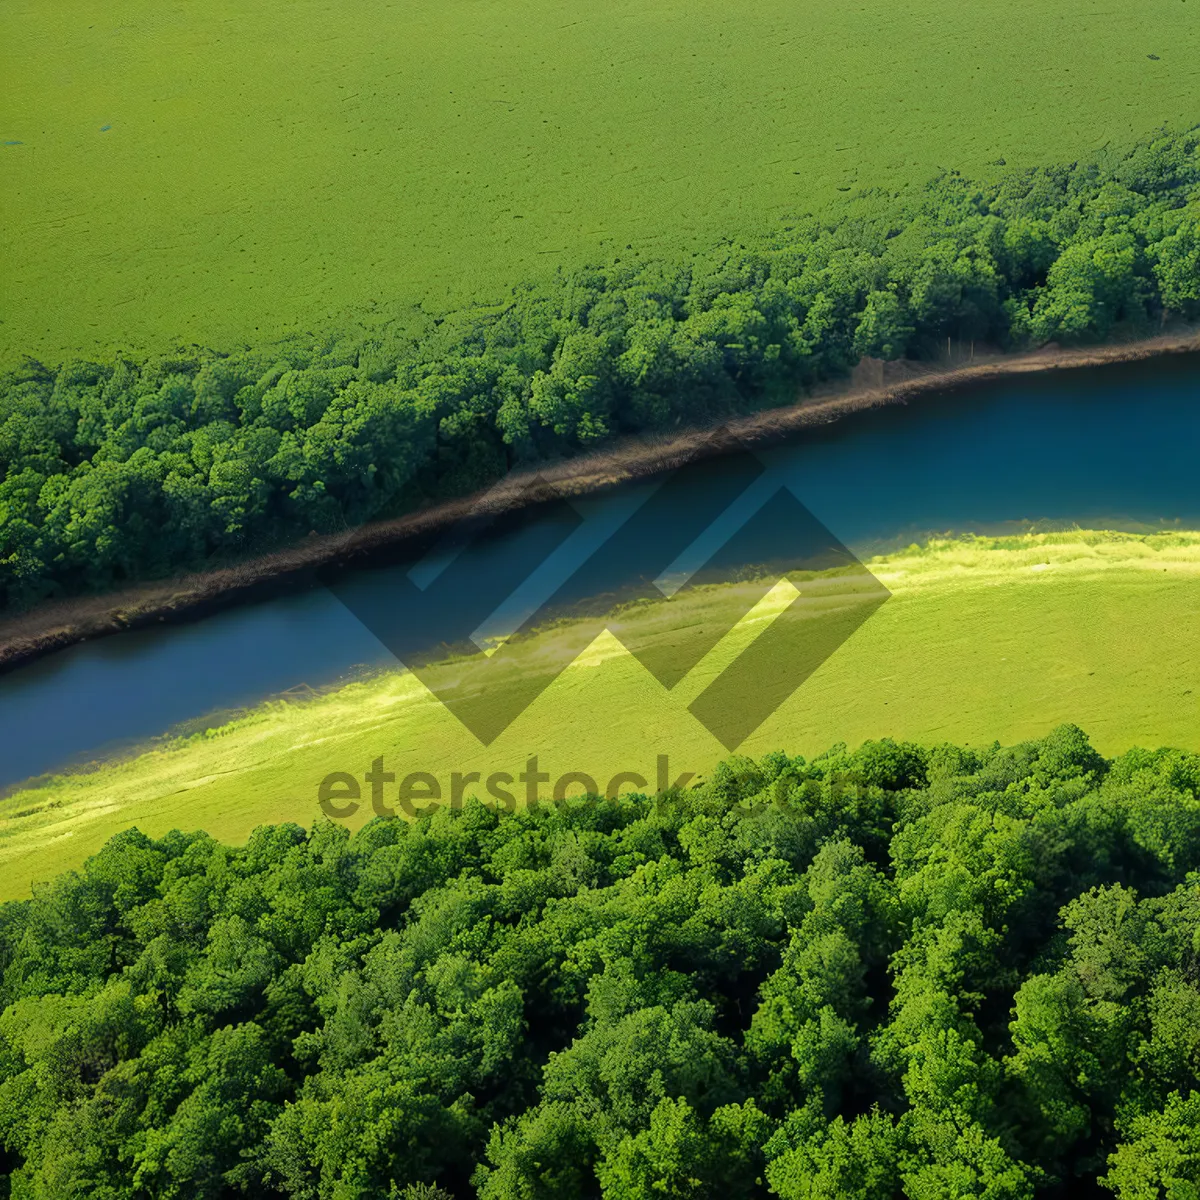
982,639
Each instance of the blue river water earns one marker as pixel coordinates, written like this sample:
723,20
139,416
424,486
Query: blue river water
1112,447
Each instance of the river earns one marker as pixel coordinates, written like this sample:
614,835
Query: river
1114,447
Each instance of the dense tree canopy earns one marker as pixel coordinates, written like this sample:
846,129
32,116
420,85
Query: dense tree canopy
918,971
126,469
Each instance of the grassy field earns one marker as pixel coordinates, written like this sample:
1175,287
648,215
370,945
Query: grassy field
229,172
981,640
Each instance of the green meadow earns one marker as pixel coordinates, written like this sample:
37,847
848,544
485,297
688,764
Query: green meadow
981,639
229,172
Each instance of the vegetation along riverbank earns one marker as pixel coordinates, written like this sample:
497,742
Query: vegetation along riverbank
130,470
55,625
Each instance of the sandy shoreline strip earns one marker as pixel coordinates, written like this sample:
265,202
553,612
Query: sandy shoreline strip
57,625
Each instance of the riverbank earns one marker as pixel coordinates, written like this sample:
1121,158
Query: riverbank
875,384
982,638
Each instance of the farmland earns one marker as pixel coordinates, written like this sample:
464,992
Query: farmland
224,174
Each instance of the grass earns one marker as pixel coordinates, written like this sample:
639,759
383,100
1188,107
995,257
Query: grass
230,172
983,639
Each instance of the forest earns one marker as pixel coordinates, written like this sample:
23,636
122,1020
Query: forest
131,469
920,971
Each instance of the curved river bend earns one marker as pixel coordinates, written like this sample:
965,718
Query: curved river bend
1111,447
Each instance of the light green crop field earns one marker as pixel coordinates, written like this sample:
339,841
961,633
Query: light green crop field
229,171
981,640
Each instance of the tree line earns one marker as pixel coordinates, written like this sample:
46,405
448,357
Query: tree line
920,971
128,469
